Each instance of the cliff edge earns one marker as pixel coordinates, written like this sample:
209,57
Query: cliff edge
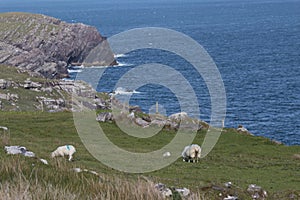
47,45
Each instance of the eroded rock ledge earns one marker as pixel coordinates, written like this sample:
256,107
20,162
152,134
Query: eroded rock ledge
47,45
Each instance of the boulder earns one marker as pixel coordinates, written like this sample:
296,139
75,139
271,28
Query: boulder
28,84
163,189
104,117
18,150
141,122
241,128
179,116
230,197
158,122
184,192
51,104
3,96
257,192
3,84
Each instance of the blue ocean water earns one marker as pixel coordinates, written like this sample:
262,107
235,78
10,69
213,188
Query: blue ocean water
255,45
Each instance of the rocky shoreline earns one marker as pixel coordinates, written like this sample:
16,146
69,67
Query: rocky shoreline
46,45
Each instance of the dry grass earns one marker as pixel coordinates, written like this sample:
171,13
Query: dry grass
4,138
27,179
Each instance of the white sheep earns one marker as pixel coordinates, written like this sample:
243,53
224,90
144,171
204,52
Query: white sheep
67,150
191,153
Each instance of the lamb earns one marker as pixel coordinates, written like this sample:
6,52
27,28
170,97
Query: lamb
64,150
191,153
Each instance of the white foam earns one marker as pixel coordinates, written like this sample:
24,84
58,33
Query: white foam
122,64
120,55
123,91
77,67
74,70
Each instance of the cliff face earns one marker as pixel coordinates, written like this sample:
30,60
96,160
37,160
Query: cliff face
47,45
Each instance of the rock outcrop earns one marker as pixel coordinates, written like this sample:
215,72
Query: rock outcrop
47,45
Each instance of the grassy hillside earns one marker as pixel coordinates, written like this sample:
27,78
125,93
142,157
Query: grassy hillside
17,21
241,159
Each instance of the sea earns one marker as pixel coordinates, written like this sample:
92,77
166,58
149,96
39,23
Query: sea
255,45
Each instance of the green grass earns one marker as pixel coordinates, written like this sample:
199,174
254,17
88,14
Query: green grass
21,24
241,159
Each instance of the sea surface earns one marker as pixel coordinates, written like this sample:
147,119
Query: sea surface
255,45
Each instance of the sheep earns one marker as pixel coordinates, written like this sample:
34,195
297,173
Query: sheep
191,153
64,150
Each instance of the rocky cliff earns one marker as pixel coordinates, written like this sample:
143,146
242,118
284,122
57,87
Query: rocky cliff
47,45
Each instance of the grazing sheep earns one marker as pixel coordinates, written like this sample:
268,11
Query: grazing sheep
191,153
64,150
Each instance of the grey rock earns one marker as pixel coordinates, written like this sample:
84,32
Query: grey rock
28,84
229,197
18,150
3,96
171,125
257,192
51,104
159,123
3,84
178,116
46,45
141,122
9,97
104,117
47,89
184,192
163,189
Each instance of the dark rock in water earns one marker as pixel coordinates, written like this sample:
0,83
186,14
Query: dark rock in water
47,45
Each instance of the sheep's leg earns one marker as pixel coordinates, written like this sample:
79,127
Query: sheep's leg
70,157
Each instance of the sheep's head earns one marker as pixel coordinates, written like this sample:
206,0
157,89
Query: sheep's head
199,152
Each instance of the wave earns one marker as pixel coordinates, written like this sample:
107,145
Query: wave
74,70
76,67
120,55
120,64
123,91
